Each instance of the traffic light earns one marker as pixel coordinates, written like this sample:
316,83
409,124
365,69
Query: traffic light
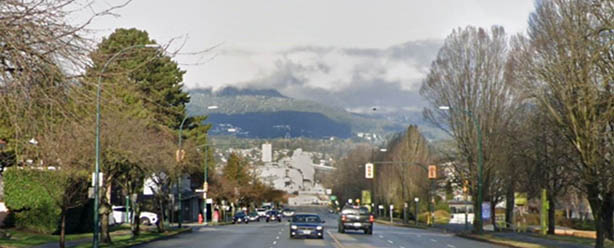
369,171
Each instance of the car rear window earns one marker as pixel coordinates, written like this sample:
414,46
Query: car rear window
306,218
357,211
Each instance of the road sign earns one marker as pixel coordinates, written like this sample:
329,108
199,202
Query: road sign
99,179
333,197
432,171
366,197
179,155
329,191
369,171
200,190
209,201
206,186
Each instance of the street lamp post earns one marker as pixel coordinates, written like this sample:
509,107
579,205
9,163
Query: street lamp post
478,209
180,157
95,239
206,181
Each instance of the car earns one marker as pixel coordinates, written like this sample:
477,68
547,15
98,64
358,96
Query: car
119,216
253,216
240,217
273,215
356,218
287,212
261,211
306,225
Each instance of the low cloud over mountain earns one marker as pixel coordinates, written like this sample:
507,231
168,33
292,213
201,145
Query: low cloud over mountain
354,79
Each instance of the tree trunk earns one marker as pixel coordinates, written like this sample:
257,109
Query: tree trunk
135,217
63,229
160,224
551,214
609,216
493,215
597,208
509,206
105,231
476,219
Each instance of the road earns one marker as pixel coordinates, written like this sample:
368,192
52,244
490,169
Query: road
262,234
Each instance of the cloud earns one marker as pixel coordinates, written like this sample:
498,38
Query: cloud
351,78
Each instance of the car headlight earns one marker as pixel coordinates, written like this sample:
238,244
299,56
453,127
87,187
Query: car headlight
319,228
293,227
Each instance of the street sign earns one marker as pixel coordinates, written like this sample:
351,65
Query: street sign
329,191
366,197
205,186
99,179
369,171
179,155
333,197
200,190
209,201
432,171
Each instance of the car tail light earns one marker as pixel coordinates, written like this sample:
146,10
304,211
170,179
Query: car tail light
343,218
371,219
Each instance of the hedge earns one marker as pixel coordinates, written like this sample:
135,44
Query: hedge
30,193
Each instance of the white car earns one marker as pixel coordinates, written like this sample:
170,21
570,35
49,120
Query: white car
261,211
119,216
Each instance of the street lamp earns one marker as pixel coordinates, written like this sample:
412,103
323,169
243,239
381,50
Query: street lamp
478,210
95,239
206,183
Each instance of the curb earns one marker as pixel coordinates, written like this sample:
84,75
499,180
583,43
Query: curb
399,225
186,230
472,237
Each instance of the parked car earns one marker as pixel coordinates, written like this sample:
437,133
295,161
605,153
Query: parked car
240,217
306,225
253,216
119,216
356,218
273,215
287,212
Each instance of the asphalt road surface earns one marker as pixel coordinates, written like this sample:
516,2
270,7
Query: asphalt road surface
275,234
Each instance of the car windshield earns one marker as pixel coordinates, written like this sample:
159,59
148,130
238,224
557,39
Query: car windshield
306,219
253,214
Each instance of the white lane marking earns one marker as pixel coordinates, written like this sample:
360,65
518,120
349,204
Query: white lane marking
402,247
433,240
274,242
451,246
390,241
381,236
277,237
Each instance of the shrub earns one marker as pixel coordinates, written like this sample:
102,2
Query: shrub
27,194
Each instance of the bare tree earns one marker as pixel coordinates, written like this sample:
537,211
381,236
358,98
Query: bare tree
566,64
468,76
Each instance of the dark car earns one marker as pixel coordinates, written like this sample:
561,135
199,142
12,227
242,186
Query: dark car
306,225
273,215
253,216
356,218
240,217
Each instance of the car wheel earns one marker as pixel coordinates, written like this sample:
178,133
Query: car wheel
321,237
341,229
369,231
145,221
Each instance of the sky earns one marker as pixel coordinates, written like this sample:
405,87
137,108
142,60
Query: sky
350,53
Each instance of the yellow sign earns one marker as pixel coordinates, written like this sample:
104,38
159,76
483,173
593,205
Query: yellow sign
520,199
432,171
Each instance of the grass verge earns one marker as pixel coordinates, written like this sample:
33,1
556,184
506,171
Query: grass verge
126,240
27,239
